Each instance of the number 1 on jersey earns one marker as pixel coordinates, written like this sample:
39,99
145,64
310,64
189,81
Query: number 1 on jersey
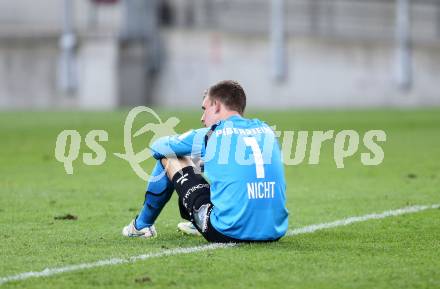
258,156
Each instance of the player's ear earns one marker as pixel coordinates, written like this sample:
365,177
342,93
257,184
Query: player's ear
217,106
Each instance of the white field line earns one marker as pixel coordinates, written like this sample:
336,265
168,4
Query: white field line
189,250
351,220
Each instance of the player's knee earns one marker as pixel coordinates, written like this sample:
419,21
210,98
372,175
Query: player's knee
181,162
174,165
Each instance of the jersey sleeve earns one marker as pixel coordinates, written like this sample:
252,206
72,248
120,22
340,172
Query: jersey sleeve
190,143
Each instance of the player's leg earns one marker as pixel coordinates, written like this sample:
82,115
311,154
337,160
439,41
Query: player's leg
194,197
158,192
183,172
193,190
172,166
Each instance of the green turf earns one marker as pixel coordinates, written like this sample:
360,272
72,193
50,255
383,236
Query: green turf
398,252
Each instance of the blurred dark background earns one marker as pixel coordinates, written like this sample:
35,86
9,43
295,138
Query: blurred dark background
103,54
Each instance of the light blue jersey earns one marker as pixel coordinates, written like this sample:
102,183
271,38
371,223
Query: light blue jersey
242,163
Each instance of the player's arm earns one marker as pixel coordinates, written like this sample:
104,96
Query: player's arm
190,143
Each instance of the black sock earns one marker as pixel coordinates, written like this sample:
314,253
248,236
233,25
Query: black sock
192,188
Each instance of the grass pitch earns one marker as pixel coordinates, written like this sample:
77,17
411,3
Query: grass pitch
397,252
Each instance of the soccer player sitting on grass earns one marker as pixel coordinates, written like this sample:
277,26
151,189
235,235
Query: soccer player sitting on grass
242,198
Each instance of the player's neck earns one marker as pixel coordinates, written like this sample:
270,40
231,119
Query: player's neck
228,114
